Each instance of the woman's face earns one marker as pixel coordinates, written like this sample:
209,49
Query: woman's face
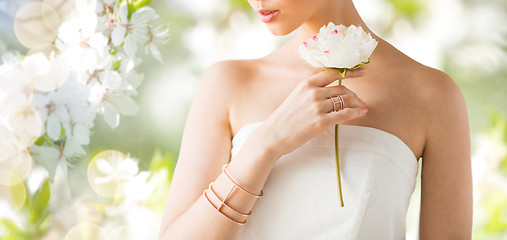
284,16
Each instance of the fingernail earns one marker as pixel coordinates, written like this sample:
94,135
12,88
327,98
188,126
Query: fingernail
365,110
360,70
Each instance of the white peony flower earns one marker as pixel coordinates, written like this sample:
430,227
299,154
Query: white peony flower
342,48
337,46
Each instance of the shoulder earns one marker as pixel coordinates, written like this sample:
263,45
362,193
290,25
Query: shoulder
223,79
446,190
438,92
230,72
443,107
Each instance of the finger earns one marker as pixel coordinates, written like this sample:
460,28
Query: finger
331,91
330,75
349,101
334,118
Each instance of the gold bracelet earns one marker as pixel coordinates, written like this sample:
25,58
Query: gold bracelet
237,222
236,184
223,201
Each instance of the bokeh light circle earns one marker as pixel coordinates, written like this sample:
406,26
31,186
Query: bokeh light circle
120,232
15,166
14,194
34,24
27,124
103,172
86,231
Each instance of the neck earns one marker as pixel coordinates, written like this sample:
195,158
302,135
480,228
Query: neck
339,12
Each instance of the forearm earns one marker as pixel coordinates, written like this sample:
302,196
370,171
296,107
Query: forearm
250,168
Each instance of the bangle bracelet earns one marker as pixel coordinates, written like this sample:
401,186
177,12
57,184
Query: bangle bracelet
223,201
237,222
224,169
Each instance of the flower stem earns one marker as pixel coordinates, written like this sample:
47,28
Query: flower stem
337,155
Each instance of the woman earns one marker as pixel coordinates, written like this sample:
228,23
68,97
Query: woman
280,181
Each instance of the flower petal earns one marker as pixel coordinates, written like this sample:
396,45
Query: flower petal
53,127
111,117
130,46
118,35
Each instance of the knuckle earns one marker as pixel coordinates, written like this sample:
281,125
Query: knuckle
314,94
307,84
320,108
316,108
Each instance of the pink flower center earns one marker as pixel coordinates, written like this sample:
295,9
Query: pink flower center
315,38
335,32
305,44
326,51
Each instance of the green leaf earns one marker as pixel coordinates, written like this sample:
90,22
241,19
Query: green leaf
13,231
116,65
160,161
498,124
131,9
495,207
113,51
242,4
409,8
503,166
39,202
43,139
141,3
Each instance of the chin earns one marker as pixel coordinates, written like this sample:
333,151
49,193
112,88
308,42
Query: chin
279,31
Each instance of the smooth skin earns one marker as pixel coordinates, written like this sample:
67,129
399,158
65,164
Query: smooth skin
420,105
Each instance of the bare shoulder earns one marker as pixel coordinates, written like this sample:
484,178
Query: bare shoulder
229,73
440,96
436,85
446,193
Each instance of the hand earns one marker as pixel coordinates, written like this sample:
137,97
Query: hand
308,110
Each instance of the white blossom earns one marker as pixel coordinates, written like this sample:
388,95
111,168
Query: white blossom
15,83
160,35
133,31
67,108
81,45
47,74
117,168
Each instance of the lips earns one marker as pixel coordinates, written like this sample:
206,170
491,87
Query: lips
268,15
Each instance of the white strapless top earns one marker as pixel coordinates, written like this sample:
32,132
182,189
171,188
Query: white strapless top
301,199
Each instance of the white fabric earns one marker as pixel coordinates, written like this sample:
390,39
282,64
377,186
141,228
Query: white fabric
301,199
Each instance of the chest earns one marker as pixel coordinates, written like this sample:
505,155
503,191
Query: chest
392,106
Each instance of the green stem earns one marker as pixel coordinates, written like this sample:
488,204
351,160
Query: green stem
337,154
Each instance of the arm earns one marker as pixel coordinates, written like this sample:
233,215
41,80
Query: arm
446,188
206,146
